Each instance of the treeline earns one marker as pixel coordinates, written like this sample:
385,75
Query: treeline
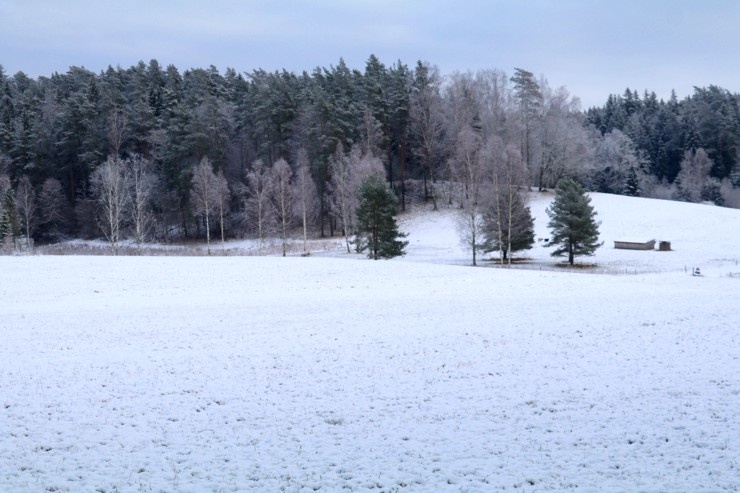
667,135
155,126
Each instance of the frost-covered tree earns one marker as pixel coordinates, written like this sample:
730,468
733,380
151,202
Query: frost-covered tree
143,182
257,200
692,180
223,199
282,177
507,221
343,198
110,186
203,195
563,146
304,194
617,165
574,230
348,172
508,225
468,172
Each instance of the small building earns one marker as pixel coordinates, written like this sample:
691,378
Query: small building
664,246
635,245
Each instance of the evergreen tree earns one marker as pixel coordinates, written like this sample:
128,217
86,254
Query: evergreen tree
10,226
574,230
632,185
376,230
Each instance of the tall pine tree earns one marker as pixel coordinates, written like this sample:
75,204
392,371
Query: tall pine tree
574,230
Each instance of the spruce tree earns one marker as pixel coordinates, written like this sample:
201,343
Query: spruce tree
632,185
376,230
10,226
574,230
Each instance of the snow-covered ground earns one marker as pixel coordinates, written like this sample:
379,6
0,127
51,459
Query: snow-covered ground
336,373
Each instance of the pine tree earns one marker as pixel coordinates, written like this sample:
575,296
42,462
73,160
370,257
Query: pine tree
574,230
376,229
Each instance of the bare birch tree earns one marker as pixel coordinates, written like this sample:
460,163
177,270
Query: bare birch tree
203,194
110,183
223,198
508,223
342,192
116,131
468,173
304,193
348,171
282,177
143,182
257,203
562,147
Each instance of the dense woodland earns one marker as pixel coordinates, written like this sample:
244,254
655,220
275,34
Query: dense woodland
152,153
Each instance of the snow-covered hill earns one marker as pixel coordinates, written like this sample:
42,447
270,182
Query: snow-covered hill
335,373
701,236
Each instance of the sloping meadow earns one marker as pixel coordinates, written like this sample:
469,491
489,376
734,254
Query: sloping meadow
344,374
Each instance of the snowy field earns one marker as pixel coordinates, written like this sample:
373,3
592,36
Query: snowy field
336,373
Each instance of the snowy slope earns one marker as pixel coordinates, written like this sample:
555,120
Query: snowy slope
340,374
701,236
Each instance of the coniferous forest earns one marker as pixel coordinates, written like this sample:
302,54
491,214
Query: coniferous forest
155,154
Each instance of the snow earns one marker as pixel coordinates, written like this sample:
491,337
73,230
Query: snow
336,373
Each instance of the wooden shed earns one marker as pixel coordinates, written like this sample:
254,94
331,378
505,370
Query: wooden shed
635,245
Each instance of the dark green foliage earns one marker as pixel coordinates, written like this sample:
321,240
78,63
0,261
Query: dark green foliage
663,130
574,230
62,127
10,226
507,224
376,230
632,187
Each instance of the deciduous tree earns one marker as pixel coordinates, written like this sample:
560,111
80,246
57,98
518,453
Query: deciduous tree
304,193
694,175
143,182
282,176
203,195
507,221
110,184
257,203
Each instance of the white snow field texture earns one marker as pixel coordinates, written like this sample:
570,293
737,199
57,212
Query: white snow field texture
337,373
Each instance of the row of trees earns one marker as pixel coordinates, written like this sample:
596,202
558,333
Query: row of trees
471,140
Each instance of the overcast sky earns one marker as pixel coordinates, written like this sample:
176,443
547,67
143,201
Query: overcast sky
592,47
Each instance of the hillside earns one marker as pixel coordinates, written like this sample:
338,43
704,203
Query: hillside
335,373
701,236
